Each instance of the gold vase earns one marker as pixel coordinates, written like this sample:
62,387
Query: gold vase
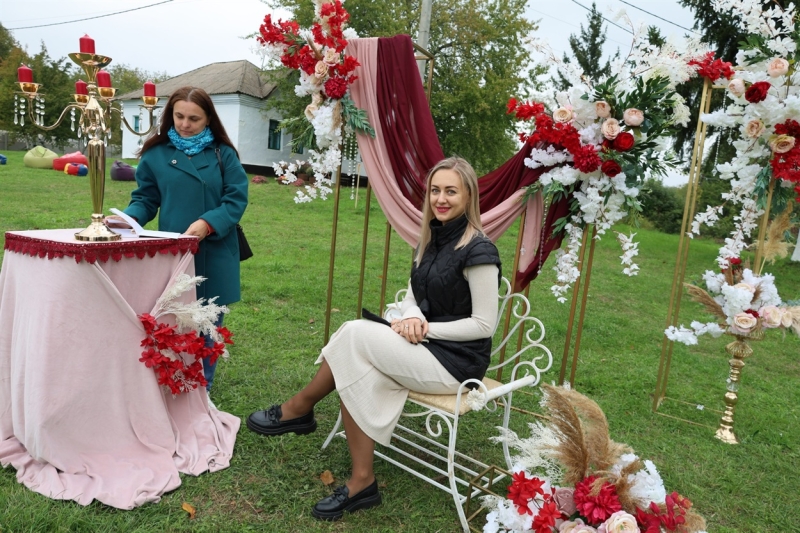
739,350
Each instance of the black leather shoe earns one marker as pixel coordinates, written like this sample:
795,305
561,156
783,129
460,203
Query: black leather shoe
333,507
269,422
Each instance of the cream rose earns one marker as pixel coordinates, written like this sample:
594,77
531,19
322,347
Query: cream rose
633,117
619,522
744,323
610,128
771,316
331,57
746,287
563,115
777,67
786,317
311,111
780,144
575,526
602,109
321,70
736,87
754,128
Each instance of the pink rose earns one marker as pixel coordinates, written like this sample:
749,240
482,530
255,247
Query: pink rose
771,316
565,500
736,87
777,67
321,70
610,128
563,115
602,109
619,522
754,128
743,323
633,117
575,526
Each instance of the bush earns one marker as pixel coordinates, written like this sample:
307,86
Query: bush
662,206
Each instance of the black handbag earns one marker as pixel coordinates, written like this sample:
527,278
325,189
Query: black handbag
245,252
244,248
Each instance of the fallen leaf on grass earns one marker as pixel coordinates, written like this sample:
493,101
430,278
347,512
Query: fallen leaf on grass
310,320
326,477
189,509
334,310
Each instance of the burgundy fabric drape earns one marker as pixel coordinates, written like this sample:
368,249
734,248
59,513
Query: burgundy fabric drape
413,145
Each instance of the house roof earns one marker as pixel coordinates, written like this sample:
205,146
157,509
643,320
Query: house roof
230,77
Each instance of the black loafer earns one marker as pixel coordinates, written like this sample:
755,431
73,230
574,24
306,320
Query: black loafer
269,422
333,507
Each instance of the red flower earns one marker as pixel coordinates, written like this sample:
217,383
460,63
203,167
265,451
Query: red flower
545,521
752,312
735,261
757,92
586,158
524,489
336,87
671,519
790,127
511,105
711,68
623,142
596,505
610,168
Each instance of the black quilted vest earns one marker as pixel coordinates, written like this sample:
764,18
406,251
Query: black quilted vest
443,295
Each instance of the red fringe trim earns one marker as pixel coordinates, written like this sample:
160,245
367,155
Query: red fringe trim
92,252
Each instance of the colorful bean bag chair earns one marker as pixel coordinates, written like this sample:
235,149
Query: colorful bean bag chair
3,159
39,157
75,157
76,169
122,171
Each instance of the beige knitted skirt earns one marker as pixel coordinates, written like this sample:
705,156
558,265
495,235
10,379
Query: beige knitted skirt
374,368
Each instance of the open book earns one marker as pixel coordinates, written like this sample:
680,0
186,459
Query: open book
135,231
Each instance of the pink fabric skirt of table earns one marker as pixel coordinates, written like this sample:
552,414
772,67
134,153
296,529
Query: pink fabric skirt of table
81,418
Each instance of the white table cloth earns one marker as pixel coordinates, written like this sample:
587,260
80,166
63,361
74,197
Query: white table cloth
81,418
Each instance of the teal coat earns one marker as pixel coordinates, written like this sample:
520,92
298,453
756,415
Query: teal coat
186,190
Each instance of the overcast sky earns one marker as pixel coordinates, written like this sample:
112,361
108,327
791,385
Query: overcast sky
176,36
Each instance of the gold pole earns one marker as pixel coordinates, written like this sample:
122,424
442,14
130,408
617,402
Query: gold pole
588,274
506,325
758,265
334,228
573,305
364,254
682,256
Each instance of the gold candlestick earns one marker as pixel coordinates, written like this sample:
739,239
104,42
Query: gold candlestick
96,110
739,350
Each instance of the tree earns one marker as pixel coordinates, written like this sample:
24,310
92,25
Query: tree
662,206
126,79
587,49
480,60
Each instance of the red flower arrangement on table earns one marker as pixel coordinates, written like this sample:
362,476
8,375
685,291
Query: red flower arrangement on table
326,73
603,488
175,352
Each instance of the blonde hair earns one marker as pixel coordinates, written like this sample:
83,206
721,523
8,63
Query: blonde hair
469,180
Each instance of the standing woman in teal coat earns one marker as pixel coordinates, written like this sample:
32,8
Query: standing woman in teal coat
179,177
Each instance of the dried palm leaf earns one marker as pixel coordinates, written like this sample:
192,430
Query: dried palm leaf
623,486
571,451
775,247
703,298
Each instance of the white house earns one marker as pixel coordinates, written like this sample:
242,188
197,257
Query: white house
239,90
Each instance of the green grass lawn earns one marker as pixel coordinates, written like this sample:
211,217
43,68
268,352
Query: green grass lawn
278,326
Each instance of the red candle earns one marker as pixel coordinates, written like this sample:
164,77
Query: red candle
149,88
87,45
103,79
80,87
24,74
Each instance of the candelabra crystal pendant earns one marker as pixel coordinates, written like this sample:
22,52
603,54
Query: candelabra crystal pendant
16,110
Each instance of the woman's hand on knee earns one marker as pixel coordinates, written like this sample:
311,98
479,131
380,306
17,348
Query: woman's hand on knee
411,329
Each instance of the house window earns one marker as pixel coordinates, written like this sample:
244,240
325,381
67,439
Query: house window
136,123
274,142
299,149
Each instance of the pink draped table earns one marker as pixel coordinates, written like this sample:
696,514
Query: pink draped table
81,418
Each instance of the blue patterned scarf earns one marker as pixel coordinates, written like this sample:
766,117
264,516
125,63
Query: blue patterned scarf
191,145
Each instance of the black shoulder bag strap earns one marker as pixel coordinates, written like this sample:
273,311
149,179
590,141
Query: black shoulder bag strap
244,247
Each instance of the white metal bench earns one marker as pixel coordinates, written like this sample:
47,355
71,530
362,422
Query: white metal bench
436,451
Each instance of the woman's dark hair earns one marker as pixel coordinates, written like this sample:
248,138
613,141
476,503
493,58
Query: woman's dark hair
197,96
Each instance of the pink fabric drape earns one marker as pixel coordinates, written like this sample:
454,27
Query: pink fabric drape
405,146
81,418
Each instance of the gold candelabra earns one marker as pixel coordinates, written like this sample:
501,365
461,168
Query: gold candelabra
739,351
94,124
